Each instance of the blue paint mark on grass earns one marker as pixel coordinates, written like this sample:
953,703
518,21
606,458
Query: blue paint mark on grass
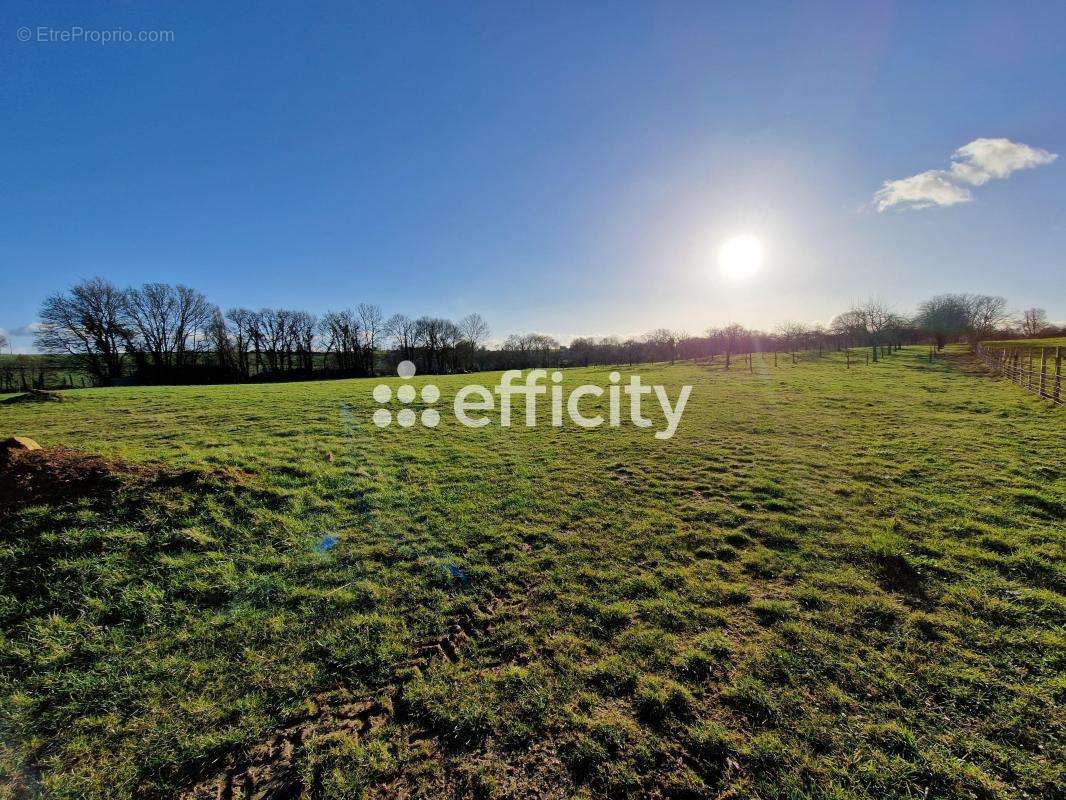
325,544
457,574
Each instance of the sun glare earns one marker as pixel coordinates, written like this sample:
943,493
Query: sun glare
740,257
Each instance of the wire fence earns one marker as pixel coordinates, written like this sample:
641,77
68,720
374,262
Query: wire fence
1035,369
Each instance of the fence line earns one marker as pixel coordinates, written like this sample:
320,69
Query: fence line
1017,364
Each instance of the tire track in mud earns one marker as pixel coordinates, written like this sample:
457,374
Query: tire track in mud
270,769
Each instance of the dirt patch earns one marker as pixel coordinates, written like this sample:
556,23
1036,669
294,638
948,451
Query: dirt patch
57,475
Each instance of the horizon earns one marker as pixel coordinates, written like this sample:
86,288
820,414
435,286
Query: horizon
496,340
554,169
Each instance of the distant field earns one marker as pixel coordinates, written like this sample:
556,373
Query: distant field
1052,342
58,372
830,583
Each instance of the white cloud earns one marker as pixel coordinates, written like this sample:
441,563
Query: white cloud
975,164
932,188
18,339
984,159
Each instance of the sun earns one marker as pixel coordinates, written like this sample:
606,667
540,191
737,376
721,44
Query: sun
740,257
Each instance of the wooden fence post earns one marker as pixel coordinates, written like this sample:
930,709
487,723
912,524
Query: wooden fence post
1043,372
1029,372
1056,393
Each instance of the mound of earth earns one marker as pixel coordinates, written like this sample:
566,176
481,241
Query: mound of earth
56,474
35,396
18,443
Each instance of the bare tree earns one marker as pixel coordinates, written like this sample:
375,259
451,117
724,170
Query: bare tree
987,313
665,342
429,334
401,329
848,328
88,323
1034,320
242,321
340,332
792,333
194,312
474,329
875,318
516,348
530,349
303,326
257,335
820,335
544,346
274,328
222,343
165,324
371,319
473,332
152,313
450,339
731,336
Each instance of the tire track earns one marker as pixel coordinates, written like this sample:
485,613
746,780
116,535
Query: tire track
270,769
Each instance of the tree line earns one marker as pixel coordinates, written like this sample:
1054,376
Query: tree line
161,333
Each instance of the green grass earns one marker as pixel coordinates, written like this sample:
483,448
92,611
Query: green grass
830,583
1059,341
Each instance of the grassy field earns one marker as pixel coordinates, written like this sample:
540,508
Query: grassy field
1052,342
830,583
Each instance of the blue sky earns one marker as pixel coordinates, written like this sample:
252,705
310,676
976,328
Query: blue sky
568,168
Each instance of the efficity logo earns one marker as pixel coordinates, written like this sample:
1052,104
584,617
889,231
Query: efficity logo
476,406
